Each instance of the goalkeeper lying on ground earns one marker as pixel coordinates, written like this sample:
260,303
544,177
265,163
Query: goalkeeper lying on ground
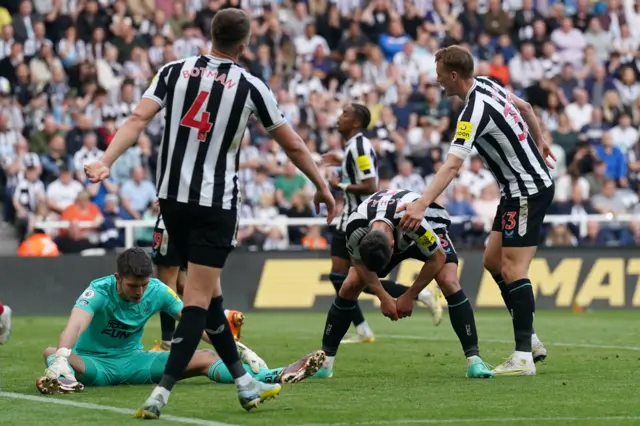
100,346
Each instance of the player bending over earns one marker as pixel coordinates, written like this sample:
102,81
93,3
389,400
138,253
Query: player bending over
101,344
5,323
504,130
170,271
377,245
360,180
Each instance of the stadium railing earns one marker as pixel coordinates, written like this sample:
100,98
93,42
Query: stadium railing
129,226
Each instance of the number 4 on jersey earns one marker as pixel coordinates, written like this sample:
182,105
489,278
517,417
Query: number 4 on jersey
203,125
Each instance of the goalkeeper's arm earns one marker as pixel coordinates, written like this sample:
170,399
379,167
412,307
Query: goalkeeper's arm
77,324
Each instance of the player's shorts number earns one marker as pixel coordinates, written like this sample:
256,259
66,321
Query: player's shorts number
160,242
203,125
509,220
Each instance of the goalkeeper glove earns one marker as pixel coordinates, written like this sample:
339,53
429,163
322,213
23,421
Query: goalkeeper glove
60,366
247,356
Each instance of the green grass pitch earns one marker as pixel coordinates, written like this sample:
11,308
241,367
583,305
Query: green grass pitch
412,374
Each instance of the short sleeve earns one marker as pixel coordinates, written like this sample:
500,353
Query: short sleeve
265,106
365,161
467,128
171,303
91,300
425,238
157,90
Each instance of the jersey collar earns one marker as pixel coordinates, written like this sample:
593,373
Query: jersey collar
473,87
354,138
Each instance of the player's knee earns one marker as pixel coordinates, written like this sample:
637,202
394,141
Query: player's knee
512,270
491,263
349,290
449,284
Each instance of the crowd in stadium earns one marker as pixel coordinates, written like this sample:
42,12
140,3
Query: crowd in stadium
71,71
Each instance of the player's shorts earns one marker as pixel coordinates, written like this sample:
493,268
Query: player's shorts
164,254
339,245
137,368
413,252
199,234
520,219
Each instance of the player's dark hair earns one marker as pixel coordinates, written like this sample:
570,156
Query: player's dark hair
363,115
134,263
375,250
229,29
456,59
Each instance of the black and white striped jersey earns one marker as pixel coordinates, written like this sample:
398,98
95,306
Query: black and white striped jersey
358,164
28,194
492,124
208,102
382,206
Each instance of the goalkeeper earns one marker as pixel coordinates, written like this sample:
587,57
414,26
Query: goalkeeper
101,344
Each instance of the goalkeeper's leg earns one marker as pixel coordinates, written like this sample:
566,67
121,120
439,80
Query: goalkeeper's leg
208,363
53,385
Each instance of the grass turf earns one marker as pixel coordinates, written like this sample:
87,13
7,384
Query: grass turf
412,374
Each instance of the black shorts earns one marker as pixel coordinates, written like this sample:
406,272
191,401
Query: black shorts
414,252
200,235
339,245
520,219
163,253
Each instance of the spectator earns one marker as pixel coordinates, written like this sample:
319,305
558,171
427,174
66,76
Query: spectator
595,129
476,178
300,208
63,192
314,239
55,160
580,111
87,154
624,135
525,69
85,219
39,244
600,40
570,42
616,163
27,195
407,179
287,184
137,193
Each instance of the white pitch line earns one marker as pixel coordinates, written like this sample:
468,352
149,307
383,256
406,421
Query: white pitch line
478,420
563,344
96,407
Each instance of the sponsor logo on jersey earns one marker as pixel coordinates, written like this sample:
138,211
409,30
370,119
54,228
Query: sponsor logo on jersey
119,330
463,130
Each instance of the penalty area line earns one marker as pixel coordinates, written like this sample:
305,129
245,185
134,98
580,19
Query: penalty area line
560,344
97,407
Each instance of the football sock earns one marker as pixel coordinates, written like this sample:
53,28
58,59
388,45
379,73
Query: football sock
50,359
337,279
523,304
337,324
219,373
185,341
219,332
463,322
167,325
1,308
506,296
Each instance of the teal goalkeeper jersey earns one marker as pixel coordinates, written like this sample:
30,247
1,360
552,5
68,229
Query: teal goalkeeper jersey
117,325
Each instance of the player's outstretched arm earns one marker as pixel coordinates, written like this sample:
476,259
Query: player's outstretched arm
414,212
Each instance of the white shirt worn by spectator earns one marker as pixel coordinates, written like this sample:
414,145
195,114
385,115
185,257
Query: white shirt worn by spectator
30,159
561,161
302,88
86,156
476,182
632,17
63,195
564,187
306,47
624,138
413,182
579,116
409,68
186,47
525,73
551,66
8,140
570,45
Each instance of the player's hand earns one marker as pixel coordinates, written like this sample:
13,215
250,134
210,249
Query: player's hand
97,171
388,308
323,195
546,154
249,357
332,159
413,216
60,366
404,306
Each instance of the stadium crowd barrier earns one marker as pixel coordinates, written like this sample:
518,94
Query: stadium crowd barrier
563,278
129,226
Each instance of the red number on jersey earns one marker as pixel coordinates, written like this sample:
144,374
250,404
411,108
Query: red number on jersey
203,125
509,110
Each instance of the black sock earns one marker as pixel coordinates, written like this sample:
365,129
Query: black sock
185,341
218,330
357,317
505,295
337,324
463,322
167,325
394,289
524,306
